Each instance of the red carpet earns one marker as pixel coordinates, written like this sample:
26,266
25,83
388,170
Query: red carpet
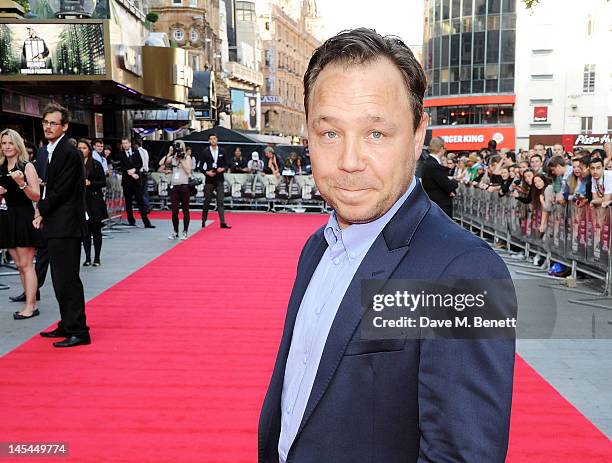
182,353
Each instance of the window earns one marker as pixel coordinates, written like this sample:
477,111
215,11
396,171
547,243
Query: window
178,35
541,77
609,124
177,2
588,82
193,35
270,85
195,64
586,125
245,11
193,3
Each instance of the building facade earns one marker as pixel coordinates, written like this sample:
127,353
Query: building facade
564,74
469,58
101,68
287,29
192,25
245,78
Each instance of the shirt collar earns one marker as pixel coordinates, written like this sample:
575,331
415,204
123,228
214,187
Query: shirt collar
51,146
436,157
356,239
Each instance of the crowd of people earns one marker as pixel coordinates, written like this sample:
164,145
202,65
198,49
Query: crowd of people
538,177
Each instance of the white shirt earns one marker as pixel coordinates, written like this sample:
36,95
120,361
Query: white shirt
215,155
50,149
144,154
436,157
605,181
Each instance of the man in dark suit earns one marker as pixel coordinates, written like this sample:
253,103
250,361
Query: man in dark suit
434,178
42,254
130,164
61,215
337,395
213,163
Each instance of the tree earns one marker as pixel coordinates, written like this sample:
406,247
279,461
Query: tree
25,4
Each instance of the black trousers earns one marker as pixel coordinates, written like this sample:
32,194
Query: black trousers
65,257
94,230
208,191
179,195
42,264
132,191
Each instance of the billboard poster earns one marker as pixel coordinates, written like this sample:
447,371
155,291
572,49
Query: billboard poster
245,110
31,49
61,9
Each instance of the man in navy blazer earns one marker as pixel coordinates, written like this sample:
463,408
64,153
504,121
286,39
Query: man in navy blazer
336,395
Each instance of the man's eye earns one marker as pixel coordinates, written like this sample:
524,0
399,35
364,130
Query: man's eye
331,135
376,135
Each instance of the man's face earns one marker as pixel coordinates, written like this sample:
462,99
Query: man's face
363,146
558,171
126,145
53,127
213,140
558,150
99,147
539,149
596,169
535,163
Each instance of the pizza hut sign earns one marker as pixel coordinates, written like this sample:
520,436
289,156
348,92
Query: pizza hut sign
592,140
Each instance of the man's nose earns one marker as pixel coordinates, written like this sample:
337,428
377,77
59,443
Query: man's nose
351,158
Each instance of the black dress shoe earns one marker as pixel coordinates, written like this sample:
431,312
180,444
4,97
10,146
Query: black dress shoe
150,226
18,316
224,225
22,298
73,341
56,333
87,263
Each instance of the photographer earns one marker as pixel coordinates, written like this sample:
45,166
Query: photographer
179,161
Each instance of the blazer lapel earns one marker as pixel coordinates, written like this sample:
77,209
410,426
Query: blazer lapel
271,406
381,260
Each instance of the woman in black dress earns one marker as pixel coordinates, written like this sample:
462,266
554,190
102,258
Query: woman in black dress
19,187
95,181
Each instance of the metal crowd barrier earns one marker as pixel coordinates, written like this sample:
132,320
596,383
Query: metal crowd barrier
249,191
579,237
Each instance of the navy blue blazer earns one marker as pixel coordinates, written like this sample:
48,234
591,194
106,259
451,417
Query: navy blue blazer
399,400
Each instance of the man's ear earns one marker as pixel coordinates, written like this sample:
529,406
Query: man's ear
419,135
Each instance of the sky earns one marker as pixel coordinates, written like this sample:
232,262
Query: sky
403,18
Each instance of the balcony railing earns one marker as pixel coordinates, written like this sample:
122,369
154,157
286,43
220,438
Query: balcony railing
246,74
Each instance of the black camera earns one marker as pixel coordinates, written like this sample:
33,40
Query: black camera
178,151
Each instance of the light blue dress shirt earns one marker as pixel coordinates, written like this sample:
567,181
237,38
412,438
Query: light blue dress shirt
101,160
346,248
